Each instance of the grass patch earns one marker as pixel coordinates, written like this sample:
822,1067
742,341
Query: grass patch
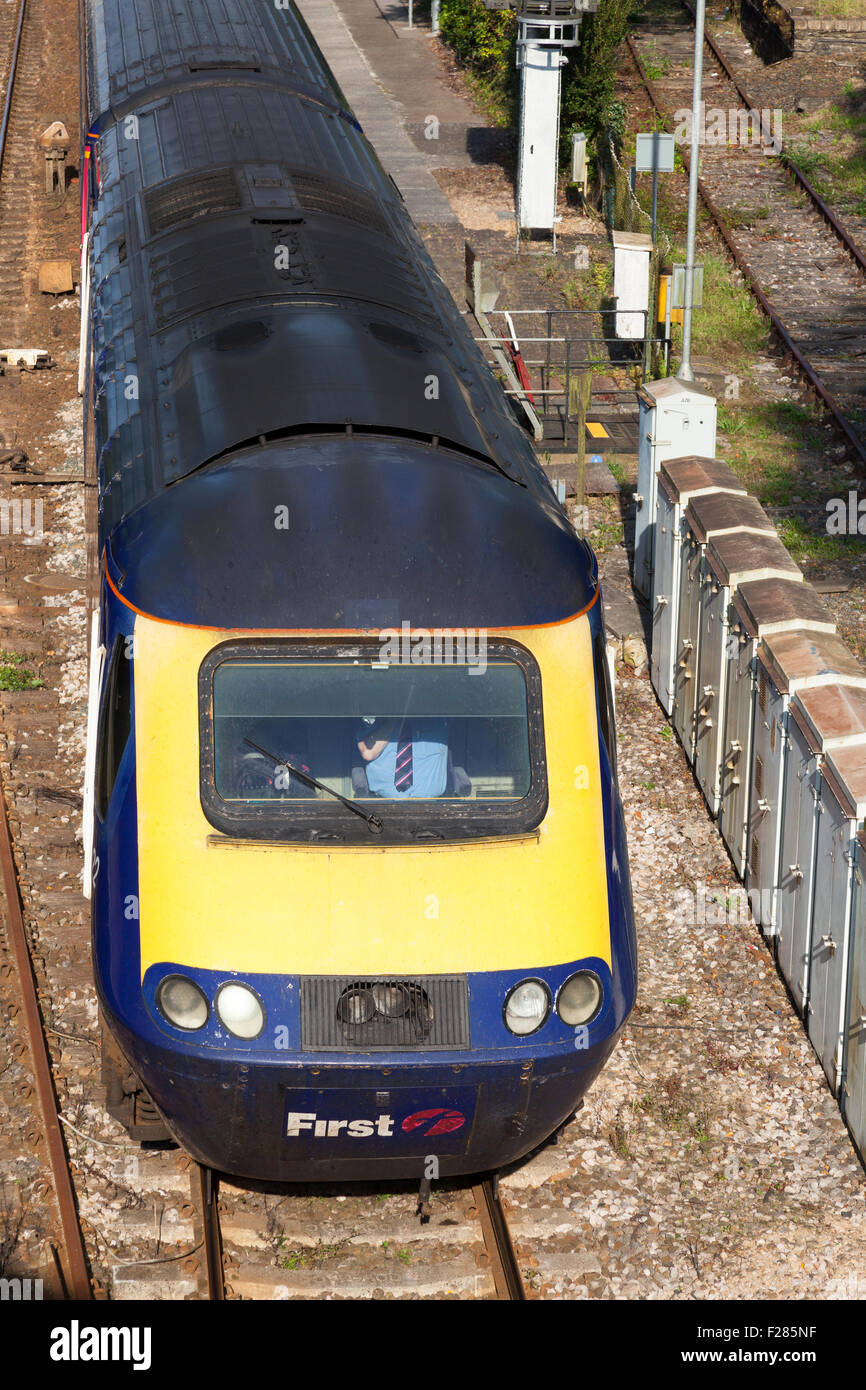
808,546
830,147
14,675
836,9
771,443
729,326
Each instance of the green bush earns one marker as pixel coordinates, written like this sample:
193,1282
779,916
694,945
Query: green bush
485,41
588,85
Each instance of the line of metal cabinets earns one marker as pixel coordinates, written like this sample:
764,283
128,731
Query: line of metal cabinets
770,707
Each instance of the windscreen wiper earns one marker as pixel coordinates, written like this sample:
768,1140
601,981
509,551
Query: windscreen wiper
375,823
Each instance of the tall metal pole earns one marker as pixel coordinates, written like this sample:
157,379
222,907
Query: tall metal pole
655,194
685,372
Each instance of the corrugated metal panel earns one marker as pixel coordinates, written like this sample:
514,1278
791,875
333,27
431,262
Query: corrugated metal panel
380,1014
173,204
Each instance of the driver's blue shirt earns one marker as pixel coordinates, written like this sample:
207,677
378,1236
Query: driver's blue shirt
429,762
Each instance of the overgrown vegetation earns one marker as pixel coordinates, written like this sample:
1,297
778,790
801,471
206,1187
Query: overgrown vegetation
830,148
485,41
589,83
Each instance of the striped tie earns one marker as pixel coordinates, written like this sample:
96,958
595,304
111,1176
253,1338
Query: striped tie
403,766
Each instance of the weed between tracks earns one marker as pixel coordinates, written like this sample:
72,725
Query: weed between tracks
14,675
311,1257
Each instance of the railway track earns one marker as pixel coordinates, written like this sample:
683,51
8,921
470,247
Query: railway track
20,42
277,1245
800,261
82,1206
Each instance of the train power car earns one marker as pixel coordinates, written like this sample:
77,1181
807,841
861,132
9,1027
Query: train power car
361,904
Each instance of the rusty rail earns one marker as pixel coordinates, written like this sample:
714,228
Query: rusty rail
212,1238
804,366
497,1241
74,1267
13,68
790,165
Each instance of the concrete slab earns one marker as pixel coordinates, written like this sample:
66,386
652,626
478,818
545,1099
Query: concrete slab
624,617
374,106
599,479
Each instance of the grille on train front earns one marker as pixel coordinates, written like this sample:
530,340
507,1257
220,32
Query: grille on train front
385,1015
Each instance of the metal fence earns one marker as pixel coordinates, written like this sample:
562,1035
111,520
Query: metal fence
551,359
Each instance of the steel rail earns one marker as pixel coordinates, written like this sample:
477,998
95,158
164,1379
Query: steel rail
497,1241
75,1272
213,1248
806,369
789,164
13,70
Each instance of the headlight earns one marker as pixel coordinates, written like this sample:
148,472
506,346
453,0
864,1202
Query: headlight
240,1010
527,1007
182,1002
579,999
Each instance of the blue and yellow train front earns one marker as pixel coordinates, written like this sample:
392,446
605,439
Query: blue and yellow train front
305,995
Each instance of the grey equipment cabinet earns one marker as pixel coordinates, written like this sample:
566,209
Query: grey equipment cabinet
706,518
679,480
675,418
731,560
785,662
820,720
759,609
841,811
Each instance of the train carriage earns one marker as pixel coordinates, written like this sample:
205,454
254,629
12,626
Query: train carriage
360,881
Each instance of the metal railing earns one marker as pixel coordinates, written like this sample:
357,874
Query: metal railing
566,357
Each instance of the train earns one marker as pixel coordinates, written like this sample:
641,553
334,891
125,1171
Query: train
356,853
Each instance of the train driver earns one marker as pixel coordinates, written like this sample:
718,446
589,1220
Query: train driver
404,757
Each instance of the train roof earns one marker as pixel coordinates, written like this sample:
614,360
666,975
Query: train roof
136,51
256,277
351,532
